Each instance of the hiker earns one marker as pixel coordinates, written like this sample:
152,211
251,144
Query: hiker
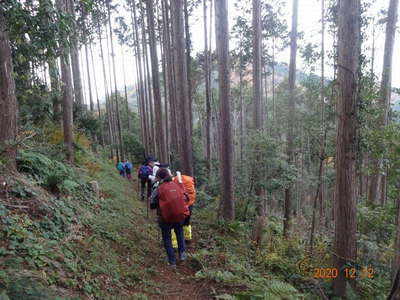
128,170
189,187
170,200
121,168
145,170
156,167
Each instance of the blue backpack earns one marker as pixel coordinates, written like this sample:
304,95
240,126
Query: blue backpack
145,172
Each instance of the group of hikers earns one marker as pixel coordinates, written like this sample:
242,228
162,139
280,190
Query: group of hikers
125,168
173,198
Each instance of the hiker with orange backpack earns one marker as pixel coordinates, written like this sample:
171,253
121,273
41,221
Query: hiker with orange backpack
188,184
170,200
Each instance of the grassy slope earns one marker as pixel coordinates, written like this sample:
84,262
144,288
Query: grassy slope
75,246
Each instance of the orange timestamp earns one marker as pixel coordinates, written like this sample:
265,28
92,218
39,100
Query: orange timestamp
349,273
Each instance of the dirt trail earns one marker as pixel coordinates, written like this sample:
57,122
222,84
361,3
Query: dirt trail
174,285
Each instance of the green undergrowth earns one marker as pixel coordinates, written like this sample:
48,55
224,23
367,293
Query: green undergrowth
59,241
227,256
280,268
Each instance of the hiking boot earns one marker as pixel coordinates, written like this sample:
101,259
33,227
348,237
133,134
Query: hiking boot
183,256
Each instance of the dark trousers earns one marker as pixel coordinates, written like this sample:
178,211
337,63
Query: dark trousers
143,182
166,236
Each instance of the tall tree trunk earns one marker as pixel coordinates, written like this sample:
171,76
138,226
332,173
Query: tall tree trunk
76,70
55,87
166,83
108,112
111,104
171,81
396,259
118,113
319,192
88,78
385,94
147,85
188,60
345,196
8,101
257,90
142,97
222,47
128,121
291,116
156,83
182,87
67,95
273,129
207,83
97,96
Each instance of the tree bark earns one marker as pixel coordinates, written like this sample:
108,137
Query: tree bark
67,95
8,101
291,116
142,97
346,133
76,70
207,84
385,95
396,259
97,95
257,90
188,61
156,82
118,113
182,87
222,49
128,121
108,112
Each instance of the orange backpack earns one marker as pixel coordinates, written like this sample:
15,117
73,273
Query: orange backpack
189,187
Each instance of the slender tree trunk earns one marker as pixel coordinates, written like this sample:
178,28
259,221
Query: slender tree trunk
188,61
385,93
222,44
97,96
67,96
273,129
182,86
257,90
166,83
147,85
142,97
291,110
207,83
241,107
8,101
345,196
76,70
118,113
156,82
108,112
396,259
128,120
111,105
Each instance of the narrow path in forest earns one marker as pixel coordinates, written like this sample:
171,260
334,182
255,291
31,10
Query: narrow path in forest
170,284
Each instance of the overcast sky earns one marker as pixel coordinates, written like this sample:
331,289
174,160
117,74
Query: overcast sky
308,23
